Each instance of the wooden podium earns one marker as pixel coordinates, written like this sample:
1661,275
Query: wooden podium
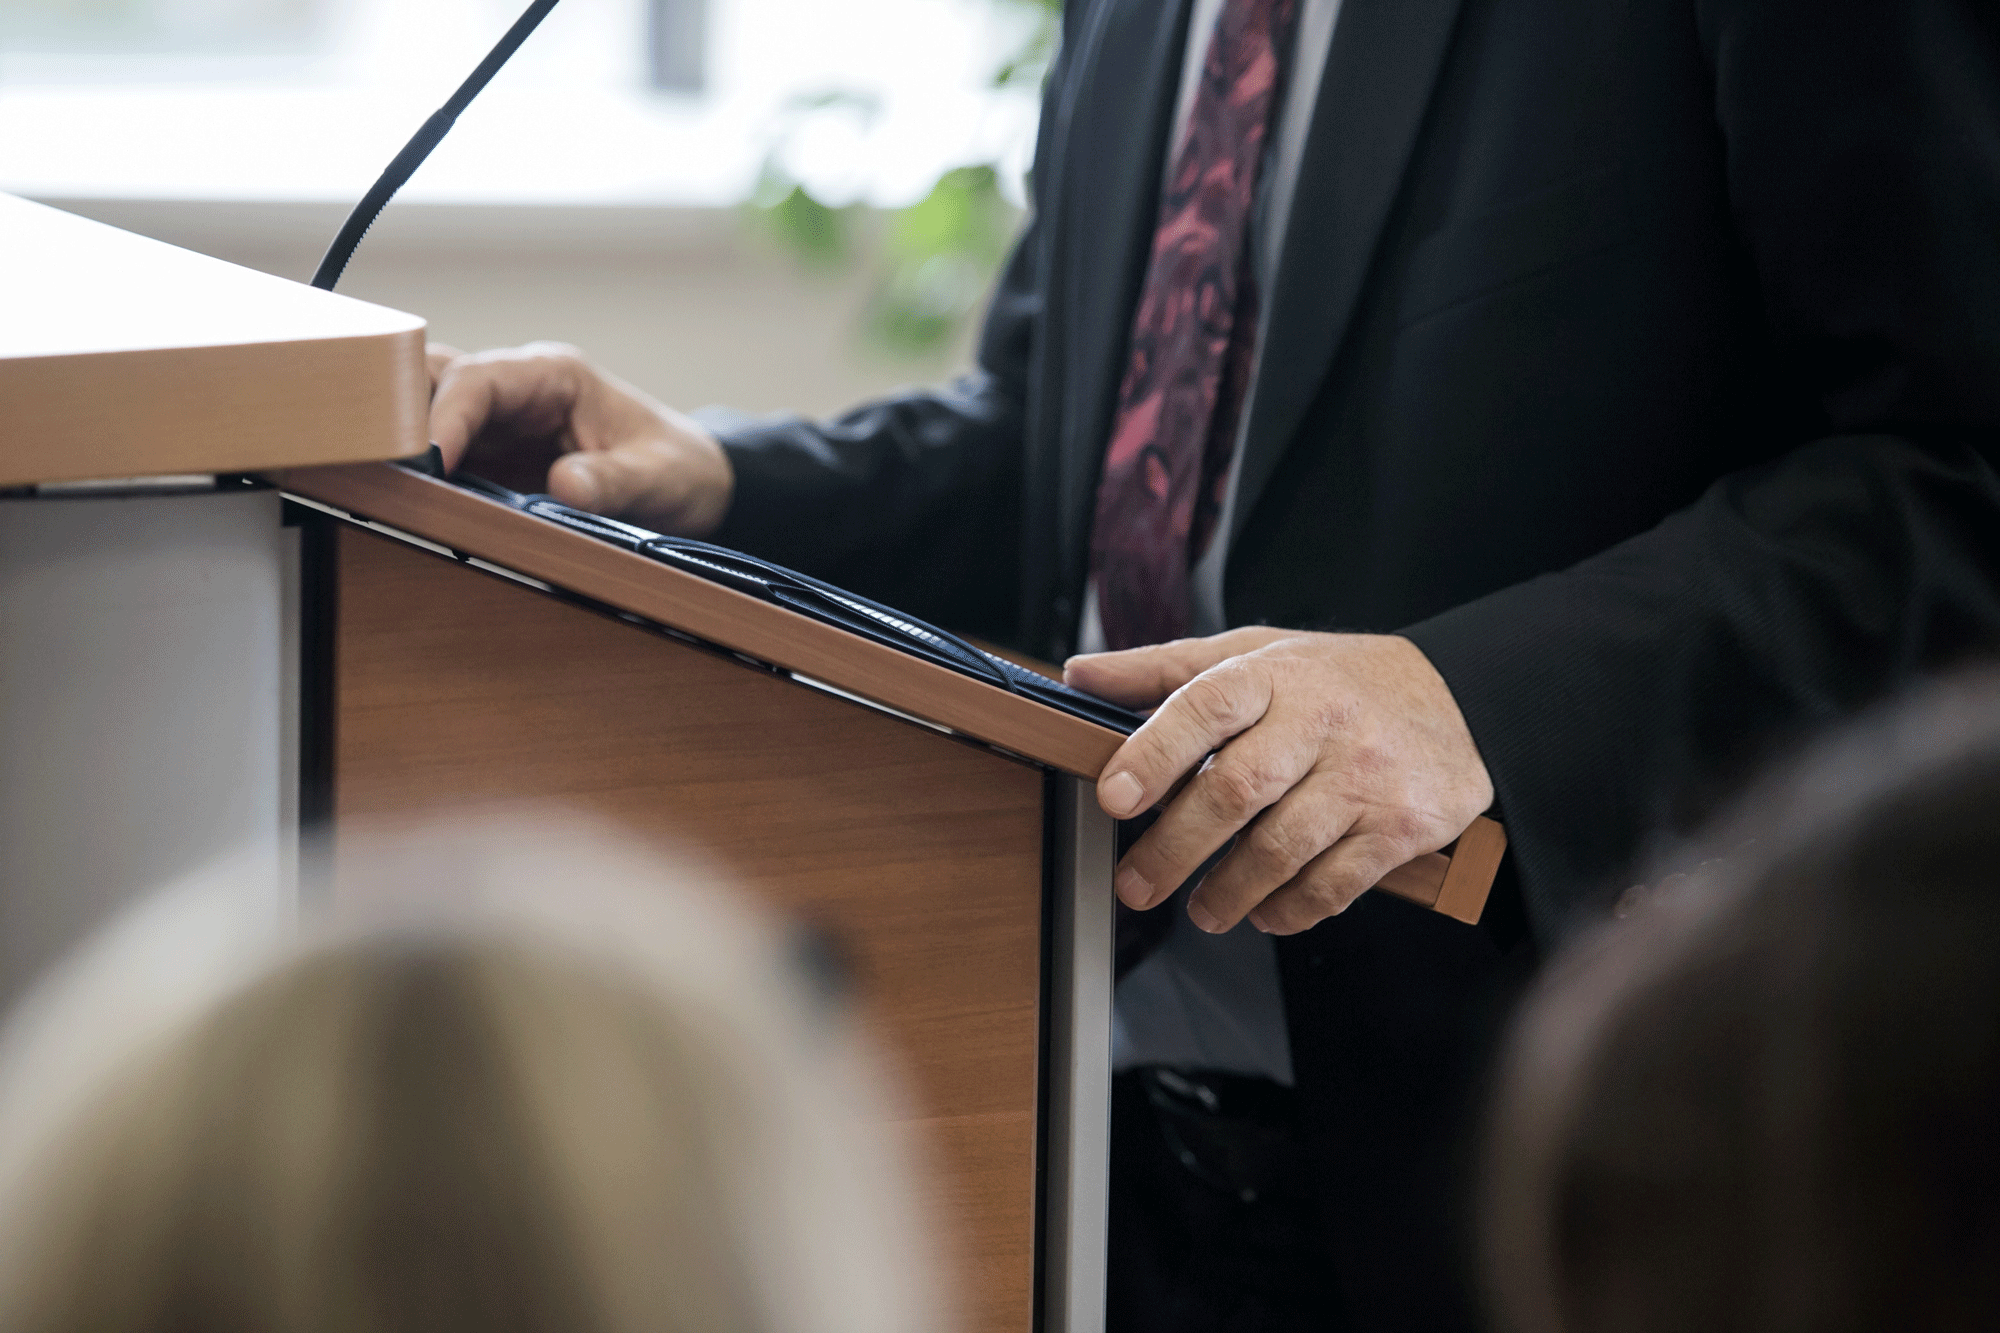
473,652
430,648
944,828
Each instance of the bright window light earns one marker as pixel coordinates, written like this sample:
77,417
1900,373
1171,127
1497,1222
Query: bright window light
308,99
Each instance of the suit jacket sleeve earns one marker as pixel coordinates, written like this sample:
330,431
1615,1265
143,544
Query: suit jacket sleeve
1615,702
913,499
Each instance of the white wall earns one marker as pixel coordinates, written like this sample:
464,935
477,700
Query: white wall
683,302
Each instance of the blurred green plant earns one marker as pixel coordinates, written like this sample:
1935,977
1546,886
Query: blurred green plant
1029,64
934,260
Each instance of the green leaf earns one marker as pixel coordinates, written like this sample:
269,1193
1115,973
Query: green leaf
867,105
964,214
815,234
937,256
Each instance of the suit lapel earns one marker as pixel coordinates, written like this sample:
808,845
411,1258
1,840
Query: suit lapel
1114,126
1379,77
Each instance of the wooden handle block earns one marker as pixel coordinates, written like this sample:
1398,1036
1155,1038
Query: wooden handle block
1457,880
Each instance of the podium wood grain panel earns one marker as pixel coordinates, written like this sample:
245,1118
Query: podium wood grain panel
924,854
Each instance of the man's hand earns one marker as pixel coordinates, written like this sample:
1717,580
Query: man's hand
611,449
1341,756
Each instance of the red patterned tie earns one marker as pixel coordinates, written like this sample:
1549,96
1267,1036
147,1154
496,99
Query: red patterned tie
1193,340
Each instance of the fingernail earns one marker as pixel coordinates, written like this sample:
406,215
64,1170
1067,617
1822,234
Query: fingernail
1133,889
1259,922
1121,795
1202,917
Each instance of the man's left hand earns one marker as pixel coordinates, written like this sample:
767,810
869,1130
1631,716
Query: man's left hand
1337,757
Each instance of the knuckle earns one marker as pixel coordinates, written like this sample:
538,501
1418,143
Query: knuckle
1210,699
1370,759
1329,892
1238,790
1316,896
1279,848
1404,828
1265,773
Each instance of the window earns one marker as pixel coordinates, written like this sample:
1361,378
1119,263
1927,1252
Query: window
670,102
677,44
159,26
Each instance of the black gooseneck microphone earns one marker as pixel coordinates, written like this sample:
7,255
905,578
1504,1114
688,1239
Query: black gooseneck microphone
420,145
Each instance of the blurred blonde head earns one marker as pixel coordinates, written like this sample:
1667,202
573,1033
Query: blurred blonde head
529,1082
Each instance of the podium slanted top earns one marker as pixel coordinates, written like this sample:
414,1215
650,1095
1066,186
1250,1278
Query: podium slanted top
122,356
458,524
450,520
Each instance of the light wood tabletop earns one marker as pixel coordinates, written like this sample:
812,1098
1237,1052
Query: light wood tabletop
122,356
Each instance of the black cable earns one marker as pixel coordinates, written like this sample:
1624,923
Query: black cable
420,145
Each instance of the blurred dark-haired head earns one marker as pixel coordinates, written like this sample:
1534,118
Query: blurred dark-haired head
1770,1097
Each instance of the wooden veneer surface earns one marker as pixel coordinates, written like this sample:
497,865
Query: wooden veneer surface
922,853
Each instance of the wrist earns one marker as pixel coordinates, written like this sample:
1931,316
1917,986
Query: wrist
1452,733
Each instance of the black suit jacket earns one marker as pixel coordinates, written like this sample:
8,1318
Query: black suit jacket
1638,359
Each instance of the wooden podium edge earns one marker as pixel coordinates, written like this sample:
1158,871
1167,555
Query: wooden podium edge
470,524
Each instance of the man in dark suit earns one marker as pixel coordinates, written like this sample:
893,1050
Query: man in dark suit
1622,377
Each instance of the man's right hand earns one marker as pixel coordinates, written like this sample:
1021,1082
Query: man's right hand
613,450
